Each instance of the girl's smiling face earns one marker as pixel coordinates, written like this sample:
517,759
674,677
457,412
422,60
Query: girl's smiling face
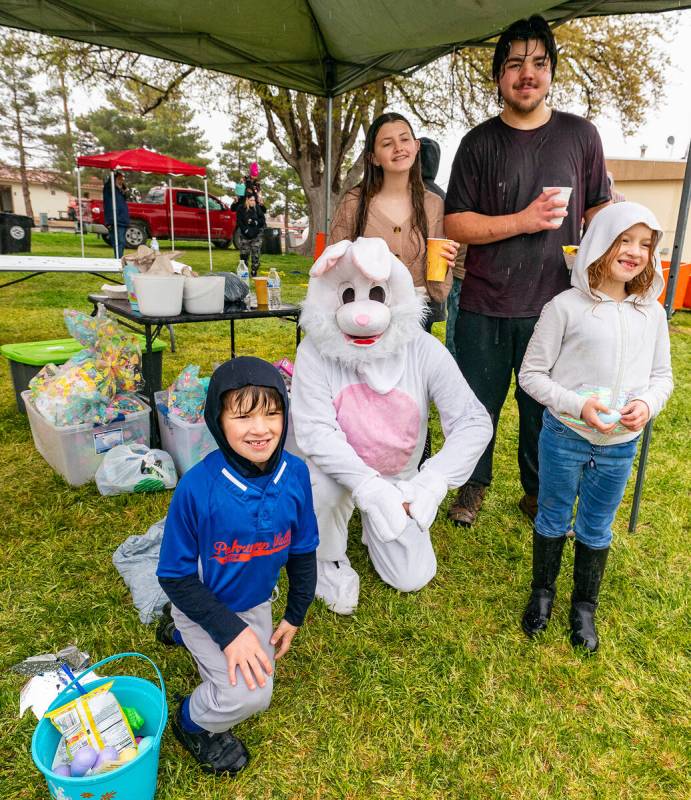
395,147
633,253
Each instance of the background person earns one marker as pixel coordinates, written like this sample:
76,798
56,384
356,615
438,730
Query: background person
391,203
602,345
122,213
251,222
515,231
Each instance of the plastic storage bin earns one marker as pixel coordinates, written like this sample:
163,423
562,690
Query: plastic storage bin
28,358
76,451
187,442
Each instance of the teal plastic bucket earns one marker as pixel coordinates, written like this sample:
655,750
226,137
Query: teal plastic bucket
135,780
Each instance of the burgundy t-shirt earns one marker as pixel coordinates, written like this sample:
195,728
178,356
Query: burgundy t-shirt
501,170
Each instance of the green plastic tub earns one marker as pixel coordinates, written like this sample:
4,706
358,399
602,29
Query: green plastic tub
28,358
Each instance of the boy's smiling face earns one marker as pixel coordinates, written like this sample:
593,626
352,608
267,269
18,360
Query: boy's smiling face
252,422
255,435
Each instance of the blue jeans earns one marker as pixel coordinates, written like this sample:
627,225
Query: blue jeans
122,230
571,467
452,302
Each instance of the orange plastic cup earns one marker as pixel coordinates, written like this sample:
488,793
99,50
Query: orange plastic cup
436,265
261,287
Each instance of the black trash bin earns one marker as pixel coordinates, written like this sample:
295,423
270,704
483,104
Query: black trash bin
271,245
15,233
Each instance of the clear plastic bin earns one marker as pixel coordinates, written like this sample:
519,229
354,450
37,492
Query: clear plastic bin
187,442
76,451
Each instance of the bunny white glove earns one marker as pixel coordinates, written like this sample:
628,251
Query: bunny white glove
383,504
424,492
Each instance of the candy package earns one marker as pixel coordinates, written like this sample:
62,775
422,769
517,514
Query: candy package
90,386
94,719
604,395
187,395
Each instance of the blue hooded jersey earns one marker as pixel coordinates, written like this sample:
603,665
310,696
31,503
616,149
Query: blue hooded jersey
237,532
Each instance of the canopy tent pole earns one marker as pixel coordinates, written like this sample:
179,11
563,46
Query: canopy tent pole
79,200
172,219
115,213
327,165
679,236
208,221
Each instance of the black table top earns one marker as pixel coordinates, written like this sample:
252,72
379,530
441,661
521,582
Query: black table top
236,311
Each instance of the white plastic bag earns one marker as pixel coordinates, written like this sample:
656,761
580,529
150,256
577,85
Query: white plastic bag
135,468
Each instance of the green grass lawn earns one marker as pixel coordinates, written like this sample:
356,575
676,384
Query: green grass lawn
430,695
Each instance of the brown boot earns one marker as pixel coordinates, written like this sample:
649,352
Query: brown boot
467,504
528,505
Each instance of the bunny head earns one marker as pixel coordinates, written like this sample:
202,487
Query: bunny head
361,304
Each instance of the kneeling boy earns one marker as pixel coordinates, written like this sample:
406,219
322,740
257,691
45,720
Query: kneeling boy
235,519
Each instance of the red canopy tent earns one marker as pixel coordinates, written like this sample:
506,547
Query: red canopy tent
142,160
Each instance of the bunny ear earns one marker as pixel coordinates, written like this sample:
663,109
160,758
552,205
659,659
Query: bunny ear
373,258
327,260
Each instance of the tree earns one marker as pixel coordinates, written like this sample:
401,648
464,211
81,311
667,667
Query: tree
25,120
606,63
132,119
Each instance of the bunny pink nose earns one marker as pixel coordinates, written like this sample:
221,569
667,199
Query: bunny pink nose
362,319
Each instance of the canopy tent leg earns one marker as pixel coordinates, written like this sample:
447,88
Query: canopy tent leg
327,164
208,222
79,201
679,236
115,213
172,218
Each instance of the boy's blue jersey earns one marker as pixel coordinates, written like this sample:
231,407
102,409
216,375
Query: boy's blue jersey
237,532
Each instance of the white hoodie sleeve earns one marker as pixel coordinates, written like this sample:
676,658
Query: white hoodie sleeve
541,355
466,424
316,428
660,384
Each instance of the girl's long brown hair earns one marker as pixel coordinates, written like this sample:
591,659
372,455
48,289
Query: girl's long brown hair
373,178
600,269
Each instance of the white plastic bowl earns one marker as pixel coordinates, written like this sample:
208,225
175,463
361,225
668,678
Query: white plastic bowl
204,295
159,295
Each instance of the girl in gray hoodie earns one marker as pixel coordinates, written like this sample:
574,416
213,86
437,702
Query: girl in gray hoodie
599,360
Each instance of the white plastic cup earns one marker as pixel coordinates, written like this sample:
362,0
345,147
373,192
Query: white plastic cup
564,195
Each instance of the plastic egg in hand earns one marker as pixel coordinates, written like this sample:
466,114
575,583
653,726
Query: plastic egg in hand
608,419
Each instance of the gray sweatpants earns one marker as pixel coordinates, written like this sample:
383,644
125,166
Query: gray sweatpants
215,704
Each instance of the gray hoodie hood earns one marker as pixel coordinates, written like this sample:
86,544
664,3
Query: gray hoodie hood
604,229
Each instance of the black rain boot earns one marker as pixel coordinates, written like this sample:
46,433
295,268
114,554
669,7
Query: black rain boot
546,565
588,569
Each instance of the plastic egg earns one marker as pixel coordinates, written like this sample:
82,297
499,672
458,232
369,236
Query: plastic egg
63,770
145,744
83,760
106,755
128,754
608,419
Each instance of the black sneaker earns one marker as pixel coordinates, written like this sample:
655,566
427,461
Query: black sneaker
216,752
165,630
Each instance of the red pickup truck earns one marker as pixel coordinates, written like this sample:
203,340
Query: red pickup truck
152,217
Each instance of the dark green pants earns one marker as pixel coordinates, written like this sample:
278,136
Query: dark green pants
488,351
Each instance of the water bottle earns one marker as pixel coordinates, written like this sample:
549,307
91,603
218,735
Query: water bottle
154,245
274,289
242,272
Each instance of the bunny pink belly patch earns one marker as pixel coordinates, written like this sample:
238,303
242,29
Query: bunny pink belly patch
383,429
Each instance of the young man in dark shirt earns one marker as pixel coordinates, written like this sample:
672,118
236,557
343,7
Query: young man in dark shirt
497,203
